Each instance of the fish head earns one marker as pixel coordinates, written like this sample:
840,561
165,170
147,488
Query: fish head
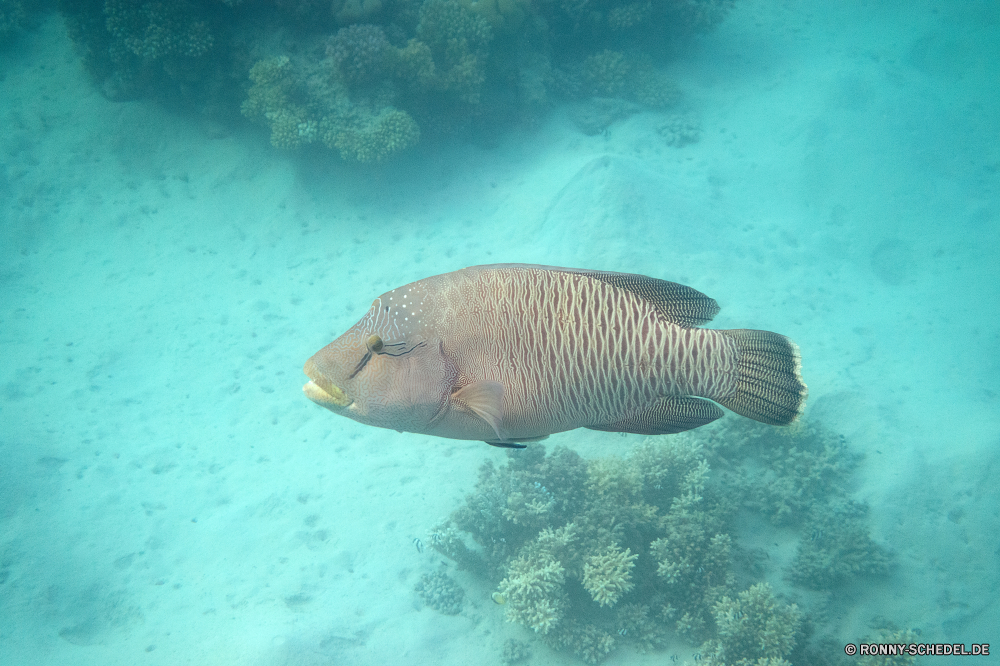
386,371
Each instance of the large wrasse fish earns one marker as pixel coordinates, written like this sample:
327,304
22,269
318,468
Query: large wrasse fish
510,353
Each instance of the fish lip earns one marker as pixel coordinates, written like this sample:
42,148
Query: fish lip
322,391
334,399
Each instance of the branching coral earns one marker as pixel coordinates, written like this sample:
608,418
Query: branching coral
568,538
608,575
533,593
590,554
753,628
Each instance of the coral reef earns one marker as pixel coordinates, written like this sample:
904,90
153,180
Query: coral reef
568,539
440,592
592,554
369,78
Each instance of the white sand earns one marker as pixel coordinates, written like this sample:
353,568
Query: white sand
167,496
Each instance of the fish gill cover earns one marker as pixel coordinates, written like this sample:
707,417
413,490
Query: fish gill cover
647,549
369,78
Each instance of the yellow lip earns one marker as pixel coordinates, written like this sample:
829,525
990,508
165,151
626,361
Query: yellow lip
331,396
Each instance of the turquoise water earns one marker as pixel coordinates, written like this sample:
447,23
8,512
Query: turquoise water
169,496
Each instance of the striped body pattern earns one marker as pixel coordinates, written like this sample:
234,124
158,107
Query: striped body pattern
511,353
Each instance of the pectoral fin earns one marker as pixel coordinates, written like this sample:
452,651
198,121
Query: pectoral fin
665,417
485,400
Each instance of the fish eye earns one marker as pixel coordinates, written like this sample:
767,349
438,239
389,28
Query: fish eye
375,343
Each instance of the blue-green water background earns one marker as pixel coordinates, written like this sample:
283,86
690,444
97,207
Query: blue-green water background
165,489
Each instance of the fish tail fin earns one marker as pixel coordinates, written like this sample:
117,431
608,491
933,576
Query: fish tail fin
769,386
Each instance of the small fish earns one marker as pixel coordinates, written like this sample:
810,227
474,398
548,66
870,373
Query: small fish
419,544
511,353
498,598
623,631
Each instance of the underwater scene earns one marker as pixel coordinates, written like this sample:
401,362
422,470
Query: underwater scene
495,332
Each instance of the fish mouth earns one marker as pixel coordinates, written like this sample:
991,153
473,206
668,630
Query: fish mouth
322,391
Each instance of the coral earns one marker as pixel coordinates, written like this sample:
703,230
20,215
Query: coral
534,594
593,554
372,137
693,557
269,101
678,131
836,547
606,74
788,472
608,575
361,53
299,111
636,623
650,88
154,30
613,74
587,641
458,41
754,628
440,592
446,540
570,538
365,73
415,63
514,652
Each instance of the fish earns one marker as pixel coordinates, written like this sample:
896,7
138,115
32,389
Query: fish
512,353
499,598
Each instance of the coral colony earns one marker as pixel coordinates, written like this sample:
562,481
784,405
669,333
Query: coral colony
590,555
370,78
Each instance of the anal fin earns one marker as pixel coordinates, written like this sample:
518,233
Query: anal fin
666,416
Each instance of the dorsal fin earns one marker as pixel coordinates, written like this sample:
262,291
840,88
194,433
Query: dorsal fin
675,302
678,303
